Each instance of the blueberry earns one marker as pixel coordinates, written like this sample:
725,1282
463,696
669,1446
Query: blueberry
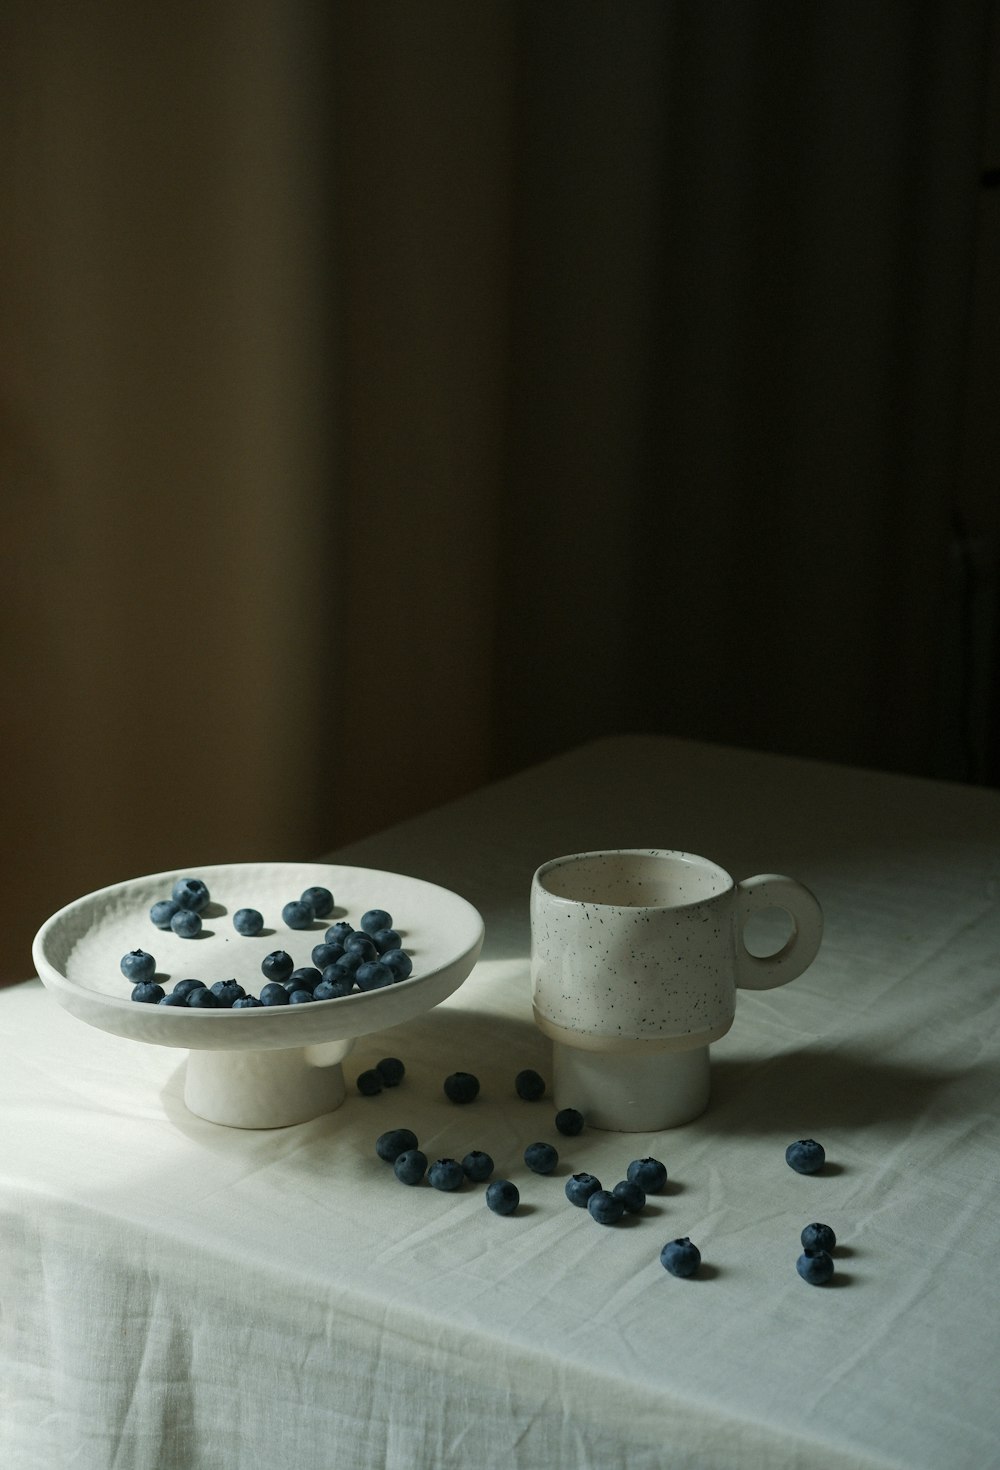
805,1156
246,1003
631,1194
337,933
186,923
300,997
173,999
396,1141
374,920
569,1122
369,1082
163,911
386,939
185,987
306,977
226,992
147,992
297,915
541,1158
361,944
649,1174
606,1208
350,964
446,1174
818,1237
461,1087
411,1166
277,965
502,1197
138,965
579,1188
529,1085
391,1070
334,985
248,922
399,962
816,1267
319,899
326,954
373,975
273,994
202,1000
478,1166
191,893
680,1257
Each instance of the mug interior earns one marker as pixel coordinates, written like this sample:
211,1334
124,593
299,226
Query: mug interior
634,878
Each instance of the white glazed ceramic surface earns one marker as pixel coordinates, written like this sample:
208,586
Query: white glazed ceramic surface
636,956
642,949
77,954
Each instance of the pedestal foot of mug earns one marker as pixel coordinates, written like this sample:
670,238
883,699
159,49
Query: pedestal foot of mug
632,1092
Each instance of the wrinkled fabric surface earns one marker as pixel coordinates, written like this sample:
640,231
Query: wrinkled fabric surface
178,1294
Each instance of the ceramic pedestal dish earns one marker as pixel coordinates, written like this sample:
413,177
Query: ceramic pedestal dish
264,1067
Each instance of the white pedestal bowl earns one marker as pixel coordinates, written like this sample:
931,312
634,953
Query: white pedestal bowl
268,1066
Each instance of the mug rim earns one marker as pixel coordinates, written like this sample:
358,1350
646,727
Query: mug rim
693,860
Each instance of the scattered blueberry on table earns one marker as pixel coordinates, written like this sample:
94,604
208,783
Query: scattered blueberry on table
631,1194
541,1158
369,1083
391,1070
502,1197
393,1142
461,1087
569,1121
605,1207
410,1166
446,1174
649,1174
248,922
680,1257
818,1237
579,1188
805,1156
478,1166
529,1085
815,1266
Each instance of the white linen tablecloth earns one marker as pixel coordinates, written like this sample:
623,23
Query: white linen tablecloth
178,1294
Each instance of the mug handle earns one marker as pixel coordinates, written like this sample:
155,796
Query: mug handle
772,890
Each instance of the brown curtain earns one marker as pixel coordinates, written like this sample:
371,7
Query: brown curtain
396,393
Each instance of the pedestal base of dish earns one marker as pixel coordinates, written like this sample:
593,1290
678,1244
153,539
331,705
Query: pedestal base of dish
266,1089
632,1091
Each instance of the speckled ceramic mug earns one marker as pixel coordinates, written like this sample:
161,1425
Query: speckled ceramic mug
636,958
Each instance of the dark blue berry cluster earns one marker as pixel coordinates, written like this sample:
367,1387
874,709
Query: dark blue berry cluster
347,960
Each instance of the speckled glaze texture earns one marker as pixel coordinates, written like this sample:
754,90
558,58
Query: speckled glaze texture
641,949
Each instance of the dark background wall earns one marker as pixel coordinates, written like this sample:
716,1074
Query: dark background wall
396,394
